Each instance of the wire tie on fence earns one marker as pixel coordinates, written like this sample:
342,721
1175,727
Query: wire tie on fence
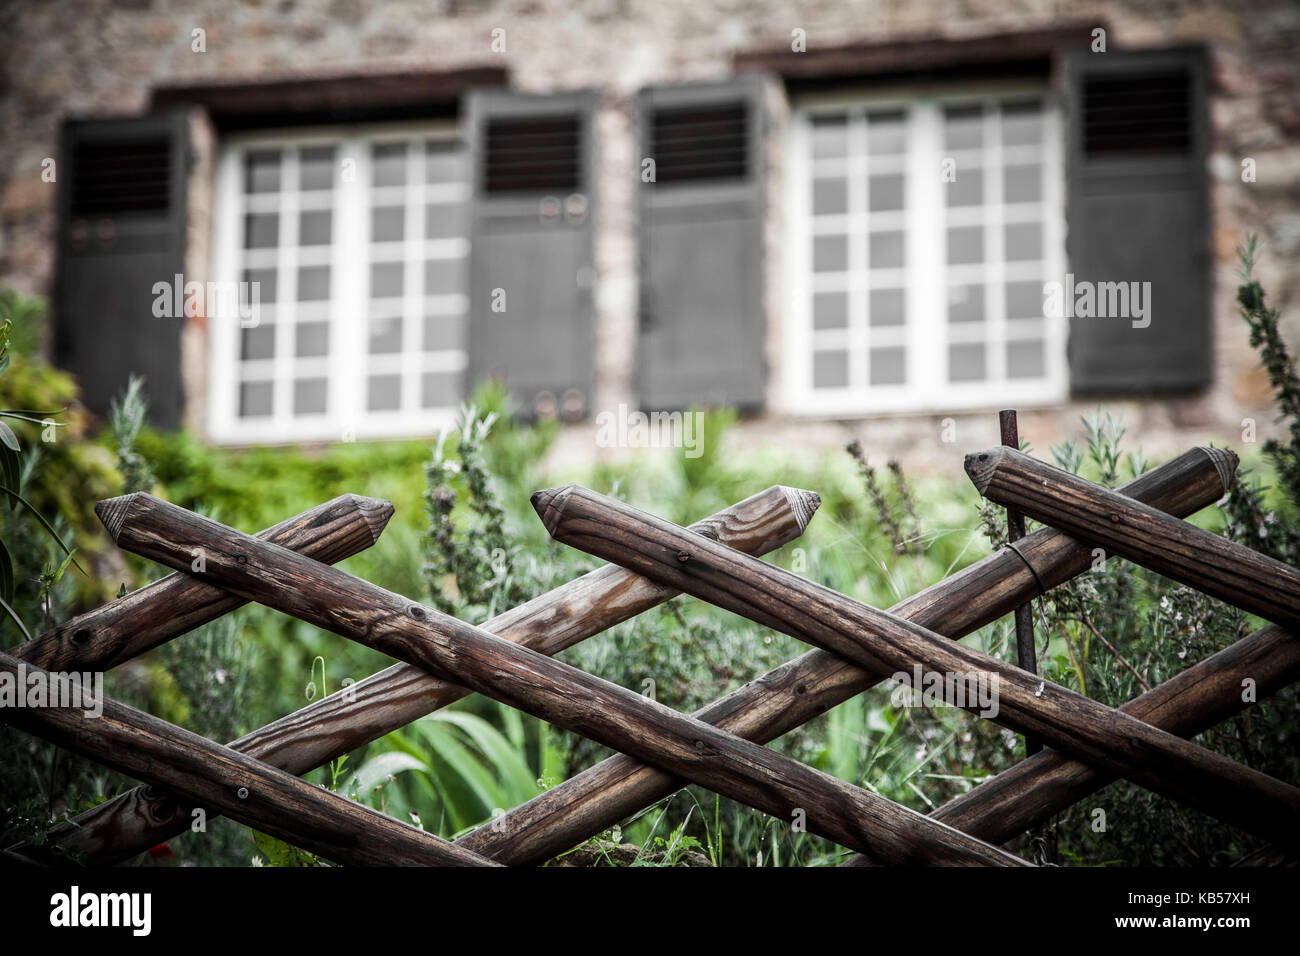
1222,464
1041,589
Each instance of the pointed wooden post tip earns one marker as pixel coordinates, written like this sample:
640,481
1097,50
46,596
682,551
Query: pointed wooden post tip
376,511
112,512
549,505
803,504
980,465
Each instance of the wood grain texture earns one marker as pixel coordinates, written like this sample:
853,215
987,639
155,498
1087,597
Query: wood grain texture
135,743
801,689
169,607
1177,549
548,689
391,699
888,644
1187,704
1026,656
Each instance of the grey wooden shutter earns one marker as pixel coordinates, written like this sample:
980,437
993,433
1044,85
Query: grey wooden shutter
1138,211
701,245
122,227
531,247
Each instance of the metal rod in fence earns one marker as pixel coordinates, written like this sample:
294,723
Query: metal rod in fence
1024,613
801,689
1190,702
539,685
1178,549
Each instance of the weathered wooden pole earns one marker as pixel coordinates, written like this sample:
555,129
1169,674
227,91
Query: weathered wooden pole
1192,701
809,685
142,746
140,621
389,700
1023,618
1024,613
539,685
890,645
1178,549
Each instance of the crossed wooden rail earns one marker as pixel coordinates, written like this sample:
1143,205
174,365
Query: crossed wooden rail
255,779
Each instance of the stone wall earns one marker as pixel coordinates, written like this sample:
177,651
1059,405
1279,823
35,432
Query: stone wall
103,58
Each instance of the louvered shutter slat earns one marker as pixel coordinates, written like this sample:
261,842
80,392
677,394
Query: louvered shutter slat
1138,212
700,241
531,240
122,229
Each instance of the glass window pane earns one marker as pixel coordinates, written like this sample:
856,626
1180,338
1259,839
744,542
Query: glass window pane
443,276
830,310
885,133
966,362
386,279
314,227
1024,300
257,343
443,332
887,307
830,253
316,168
966,303
261,230
440,389
1024,240
262,172
387,223
311,339
963,127
266,284
829,137
1022,124
309,396
385,334
443,162
385,393
313,283
965,244
830,196
967,189
254,399
1022,183
888,366
830,369
885,250
1026,359
445,220
884,193
388,164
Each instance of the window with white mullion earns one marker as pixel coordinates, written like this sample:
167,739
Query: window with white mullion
290,215
413,305
1053,198
995,351
959,264
889,249
859,224
926,306
288,280
349,324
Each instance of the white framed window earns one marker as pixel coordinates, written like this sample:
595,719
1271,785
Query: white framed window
358,239
921,227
